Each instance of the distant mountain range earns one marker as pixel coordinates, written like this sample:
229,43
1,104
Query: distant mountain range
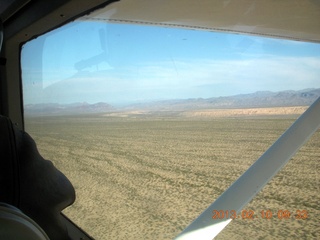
66,109
254,100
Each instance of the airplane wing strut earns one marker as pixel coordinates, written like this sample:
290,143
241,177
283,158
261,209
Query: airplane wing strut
255,178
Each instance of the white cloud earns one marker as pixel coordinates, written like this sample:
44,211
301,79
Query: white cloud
271,73
189,79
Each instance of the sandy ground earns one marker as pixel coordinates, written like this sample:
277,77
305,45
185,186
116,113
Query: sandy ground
145,178
246,112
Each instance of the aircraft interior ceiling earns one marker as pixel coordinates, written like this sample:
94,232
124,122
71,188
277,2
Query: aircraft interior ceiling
297,20
292,19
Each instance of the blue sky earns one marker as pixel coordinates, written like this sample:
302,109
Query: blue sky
122,64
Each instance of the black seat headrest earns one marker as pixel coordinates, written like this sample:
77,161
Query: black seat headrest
31,183
9,165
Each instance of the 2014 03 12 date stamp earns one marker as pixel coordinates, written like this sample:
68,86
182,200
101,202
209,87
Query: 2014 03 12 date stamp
263,214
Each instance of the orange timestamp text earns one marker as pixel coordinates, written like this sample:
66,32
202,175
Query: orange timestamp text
263,214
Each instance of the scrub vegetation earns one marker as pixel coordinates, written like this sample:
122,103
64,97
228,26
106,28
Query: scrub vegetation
149,176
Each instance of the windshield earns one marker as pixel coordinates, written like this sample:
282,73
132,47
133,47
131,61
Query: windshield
151,124
123,64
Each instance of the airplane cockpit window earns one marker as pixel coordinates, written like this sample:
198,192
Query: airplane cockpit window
151,123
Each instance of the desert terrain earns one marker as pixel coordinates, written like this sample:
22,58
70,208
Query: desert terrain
143,175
